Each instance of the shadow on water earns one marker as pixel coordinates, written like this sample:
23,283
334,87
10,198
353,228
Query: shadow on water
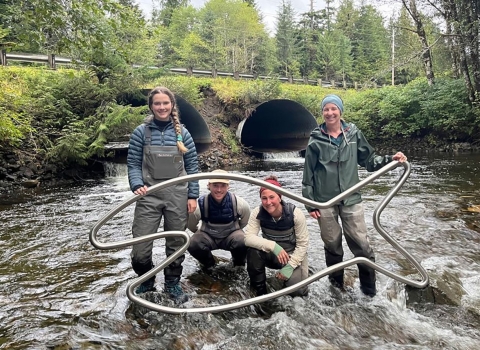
58,292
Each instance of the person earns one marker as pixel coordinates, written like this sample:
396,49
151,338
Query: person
161,149
334,151
223,215
283,244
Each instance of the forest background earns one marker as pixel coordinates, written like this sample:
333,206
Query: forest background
425,58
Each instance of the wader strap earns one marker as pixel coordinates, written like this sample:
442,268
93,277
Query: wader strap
148,135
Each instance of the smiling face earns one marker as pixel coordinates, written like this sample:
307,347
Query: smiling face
271,202
161,106
331,114
218,190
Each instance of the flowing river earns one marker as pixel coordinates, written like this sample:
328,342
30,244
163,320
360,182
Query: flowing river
58,292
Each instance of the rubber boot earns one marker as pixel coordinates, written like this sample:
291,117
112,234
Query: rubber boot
174,290
336,281
367,278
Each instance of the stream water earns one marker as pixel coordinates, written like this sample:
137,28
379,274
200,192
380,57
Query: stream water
58,292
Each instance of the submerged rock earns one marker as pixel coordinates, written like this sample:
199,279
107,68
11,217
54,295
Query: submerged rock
449,284
30,183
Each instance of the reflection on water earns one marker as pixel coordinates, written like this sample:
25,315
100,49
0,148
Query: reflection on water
58,292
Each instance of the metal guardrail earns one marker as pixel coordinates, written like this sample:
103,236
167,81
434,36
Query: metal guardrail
38,58
52,60
221,308
252,76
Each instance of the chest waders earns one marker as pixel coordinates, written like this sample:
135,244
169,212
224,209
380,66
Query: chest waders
220,231
285,239
160,163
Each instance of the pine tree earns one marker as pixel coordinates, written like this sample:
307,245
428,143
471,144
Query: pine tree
286,41
167,7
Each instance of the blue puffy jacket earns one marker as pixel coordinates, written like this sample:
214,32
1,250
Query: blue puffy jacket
167,137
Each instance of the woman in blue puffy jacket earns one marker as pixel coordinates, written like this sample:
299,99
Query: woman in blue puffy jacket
161,149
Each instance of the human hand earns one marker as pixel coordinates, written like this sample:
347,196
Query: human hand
141,191
192,205
400,157
285,273
281,254
315,214
283,257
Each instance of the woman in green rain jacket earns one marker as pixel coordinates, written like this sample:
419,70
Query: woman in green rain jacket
334,152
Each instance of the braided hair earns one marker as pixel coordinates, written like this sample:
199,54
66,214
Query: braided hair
175,116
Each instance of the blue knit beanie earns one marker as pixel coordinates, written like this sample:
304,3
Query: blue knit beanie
336,100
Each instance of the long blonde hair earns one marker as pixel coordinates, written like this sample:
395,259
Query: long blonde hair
175,114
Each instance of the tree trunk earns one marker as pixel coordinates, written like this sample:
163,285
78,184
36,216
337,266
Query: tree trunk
420,30
472,19
454,12
452,44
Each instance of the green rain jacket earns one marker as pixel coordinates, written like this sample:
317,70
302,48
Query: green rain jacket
330,169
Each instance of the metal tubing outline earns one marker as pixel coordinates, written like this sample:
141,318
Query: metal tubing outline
259,299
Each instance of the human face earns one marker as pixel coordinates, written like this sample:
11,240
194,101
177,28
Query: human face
331,114
271,202
161,106
218,190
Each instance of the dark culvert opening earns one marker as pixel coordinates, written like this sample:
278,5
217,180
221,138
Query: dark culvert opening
277,126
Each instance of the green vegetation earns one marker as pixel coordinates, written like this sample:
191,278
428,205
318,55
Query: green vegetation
230,140
67,116
344,41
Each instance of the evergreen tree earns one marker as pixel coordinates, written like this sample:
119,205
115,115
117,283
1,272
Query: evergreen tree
167,8
347,18
182,25
6,39
210,32
334,56
310,28
233,31
266,62
370,47
286,40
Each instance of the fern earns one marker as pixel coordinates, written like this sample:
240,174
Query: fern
114,122
70,149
